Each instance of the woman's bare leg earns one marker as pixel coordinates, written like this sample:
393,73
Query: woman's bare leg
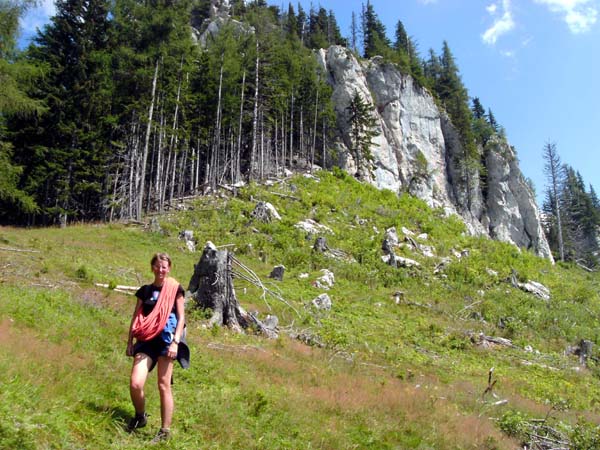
165,371
139,373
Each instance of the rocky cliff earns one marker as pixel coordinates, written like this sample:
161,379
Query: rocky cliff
417,151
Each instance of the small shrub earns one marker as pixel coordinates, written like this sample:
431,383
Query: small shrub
513,423
456,341
258,404
83,273
296,258
583,294
340,174
585,436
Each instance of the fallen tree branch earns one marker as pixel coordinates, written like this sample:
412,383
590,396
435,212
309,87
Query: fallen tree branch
218,346
285,196
479,338
490,385
469,306
18,250
251,277
122,291
118,287
583,266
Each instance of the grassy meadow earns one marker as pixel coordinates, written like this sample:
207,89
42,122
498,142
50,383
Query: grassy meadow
379,373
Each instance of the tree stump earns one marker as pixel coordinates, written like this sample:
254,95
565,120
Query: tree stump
277,273
265,212
585,351
387,247
389,257
320,245
211,287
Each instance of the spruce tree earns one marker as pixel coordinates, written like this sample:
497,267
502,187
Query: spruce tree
302,24
478,111
401,47
482,130
375,41
492,121
454,97
334,34
17,78
363,128
67,147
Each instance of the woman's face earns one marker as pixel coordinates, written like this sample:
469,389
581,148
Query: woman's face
160,269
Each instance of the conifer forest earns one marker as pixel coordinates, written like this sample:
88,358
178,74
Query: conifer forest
119,108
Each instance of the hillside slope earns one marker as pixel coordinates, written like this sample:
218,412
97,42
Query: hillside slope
400,361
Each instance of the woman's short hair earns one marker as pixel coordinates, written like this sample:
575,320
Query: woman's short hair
160,257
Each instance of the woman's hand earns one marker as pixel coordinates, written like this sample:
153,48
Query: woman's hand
129,351
172,352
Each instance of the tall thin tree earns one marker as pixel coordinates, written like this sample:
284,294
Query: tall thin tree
554,171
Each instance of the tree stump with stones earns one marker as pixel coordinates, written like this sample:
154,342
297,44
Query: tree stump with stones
211,287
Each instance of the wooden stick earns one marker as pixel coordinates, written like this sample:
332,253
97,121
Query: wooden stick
284,196
9,249
118,287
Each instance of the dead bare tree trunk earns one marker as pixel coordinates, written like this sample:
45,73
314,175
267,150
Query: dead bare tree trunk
140,200
314,136
261,170
292,131
253,150
283,141
301,134
238,157
217,139
323,160
275,143
173,175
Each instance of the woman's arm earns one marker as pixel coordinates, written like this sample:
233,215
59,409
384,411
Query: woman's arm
180,311
129,351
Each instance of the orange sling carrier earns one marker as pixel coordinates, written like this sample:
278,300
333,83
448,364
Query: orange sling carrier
145,328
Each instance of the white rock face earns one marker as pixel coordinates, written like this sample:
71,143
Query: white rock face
310,226
512,214
418,148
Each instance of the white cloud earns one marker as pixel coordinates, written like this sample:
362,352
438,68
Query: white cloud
502,23
508,53
580,15
492,8
37,17
427,2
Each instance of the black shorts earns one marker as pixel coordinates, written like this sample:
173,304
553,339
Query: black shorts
154,348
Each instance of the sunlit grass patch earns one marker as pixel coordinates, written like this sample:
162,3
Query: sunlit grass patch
400,365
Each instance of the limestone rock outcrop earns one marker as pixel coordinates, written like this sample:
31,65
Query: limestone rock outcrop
417,151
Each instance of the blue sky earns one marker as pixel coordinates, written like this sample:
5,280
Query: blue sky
534,63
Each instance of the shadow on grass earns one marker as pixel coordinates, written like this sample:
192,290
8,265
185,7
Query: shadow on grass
119,415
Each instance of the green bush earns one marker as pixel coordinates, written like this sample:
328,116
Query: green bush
514,423
585,436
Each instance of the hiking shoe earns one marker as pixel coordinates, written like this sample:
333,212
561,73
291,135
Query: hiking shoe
163,435
138,421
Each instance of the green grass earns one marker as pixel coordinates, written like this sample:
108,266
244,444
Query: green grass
391,376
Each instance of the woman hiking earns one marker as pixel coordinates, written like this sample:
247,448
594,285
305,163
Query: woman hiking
158,328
